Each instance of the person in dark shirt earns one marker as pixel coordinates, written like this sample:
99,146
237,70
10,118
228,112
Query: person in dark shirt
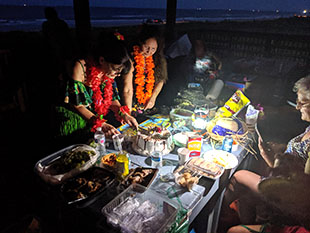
58,38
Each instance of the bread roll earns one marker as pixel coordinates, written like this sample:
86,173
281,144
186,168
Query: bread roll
228,123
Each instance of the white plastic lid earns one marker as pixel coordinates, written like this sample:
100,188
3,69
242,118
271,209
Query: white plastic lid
99,129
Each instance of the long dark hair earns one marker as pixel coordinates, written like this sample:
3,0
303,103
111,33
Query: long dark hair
152,31
110,48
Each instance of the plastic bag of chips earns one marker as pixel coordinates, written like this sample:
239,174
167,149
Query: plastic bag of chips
234,105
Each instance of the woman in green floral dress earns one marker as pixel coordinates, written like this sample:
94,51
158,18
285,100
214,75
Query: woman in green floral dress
91,93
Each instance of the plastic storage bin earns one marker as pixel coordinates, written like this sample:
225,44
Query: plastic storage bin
138,209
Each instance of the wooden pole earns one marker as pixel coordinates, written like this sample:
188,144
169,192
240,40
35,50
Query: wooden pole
170,19
82,25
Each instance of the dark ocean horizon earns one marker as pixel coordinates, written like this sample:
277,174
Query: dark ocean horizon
30,18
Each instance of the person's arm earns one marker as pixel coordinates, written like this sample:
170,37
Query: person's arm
157,88
266,153
127,118
219,63
128,87
115,105
78,75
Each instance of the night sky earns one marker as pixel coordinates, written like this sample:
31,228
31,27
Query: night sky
282,5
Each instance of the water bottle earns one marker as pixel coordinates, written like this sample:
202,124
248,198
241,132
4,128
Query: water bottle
100,140
227,143
157,159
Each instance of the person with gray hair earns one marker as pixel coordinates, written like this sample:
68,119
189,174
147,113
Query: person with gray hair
244,184
300,145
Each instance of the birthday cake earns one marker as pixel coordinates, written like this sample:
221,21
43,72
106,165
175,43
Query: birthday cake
153,139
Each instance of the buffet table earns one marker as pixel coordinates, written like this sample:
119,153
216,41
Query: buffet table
211,190
203,202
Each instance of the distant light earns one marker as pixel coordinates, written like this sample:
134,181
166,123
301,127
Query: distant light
199,9
253,10
25,4
304,11
258,10
277,11
229,9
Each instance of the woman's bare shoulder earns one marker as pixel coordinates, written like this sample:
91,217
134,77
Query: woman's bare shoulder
78,70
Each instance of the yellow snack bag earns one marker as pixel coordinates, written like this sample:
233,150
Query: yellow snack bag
234,105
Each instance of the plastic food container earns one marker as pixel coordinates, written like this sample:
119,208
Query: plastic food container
180,114
49,168
141,175
86,187
187,178
205,168
142,210
188,199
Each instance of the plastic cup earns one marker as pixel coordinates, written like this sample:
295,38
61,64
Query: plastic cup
183,153
251,119
117,141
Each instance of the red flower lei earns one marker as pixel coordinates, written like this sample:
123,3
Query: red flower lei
102,104
140,80
123,110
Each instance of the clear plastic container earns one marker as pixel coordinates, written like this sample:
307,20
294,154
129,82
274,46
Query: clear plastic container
46,168
205,168
138,209
179,114
188,199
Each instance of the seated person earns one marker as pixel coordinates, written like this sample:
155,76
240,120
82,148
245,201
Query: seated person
244,183
286,196
267,229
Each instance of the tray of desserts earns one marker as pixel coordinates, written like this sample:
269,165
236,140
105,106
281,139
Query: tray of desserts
86,186
205,168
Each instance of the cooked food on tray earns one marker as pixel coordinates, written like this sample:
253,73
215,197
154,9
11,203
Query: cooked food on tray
204,167
66,163
86,184
71,159
186,178
143,176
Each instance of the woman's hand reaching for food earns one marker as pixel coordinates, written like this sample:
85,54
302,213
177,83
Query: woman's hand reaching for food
131,121
150,104
109,130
